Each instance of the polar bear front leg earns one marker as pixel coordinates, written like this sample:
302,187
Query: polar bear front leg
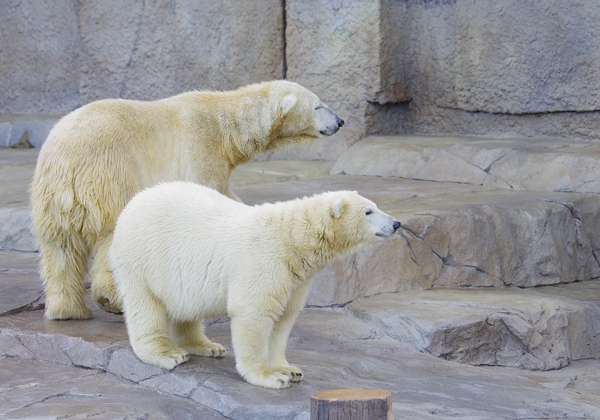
250,338
190,336
281,333
103,287
147,324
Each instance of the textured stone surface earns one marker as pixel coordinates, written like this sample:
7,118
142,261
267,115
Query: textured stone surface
529,329
516,164
38,52
276,171
455,235
37,126
16,170
56,56
516,68
412,378
153,50
21,285
505,64
52,392
338,49
419,66
326,148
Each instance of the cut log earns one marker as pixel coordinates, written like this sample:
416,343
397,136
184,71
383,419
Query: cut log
351,404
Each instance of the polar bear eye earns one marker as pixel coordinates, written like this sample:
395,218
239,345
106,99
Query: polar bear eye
318,107
369,211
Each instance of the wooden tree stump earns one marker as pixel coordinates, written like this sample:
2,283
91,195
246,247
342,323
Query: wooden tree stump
351,404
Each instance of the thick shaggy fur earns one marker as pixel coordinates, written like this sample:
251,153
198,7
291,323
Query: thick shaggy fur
96,158
183,252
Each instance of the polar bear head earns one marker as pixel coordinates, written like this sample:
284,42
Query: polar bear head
346,221
298,116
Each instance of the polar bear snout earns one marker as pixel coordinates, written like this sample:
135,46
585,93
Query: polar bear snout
331,122
389,229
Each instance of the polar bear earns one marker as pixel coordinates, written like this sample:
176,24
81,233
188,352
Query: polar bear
97,157
182,252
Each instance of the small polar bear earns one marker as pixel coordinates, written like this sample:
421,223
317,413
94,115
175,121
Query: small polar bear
182,252
99,156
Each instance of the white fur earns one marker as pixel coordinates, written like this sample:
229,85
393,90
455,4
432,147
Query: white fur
183,252
99,156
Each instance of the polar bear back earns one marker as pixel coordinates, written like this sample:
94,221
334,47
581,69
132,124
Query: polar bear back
187,243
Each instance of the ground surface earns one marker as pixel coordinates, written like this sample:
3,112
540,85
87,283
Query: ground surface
395,317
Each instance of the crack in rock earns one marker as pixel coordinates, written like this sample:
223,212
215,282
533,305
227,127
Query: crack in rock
36,305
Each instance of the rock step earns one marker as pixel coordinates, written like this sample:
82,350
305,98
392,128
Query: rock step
12,127
536,329
369,344
454,235
510,163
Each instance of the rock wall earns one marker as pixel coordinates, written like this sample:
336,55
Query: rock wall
38,50
58,55
511,68
462,67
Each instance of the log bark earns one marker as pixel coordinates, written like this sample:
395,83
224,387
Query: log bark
351,404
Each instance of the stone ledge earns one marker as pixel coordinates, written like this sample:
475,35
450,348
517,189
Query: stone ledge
511,163
411,376
455,235
12,127
534,329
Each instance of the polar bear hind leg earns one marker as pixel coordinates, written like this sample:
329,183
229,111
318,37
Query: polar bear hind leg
190,336
147,325
103,288
63,271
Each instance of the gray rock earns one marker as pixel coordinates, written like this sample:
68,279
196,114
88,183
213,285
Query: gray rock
32,389
15,230
56,56
452,66
12,127
371,343
455,235
535,329
412,379
513,163
326,148
21,290
276,171
38,55
330,47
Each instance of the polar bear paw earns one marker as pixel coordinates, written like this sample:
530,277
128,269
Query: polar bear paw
65,307
273,380
291,371
209,349
167,358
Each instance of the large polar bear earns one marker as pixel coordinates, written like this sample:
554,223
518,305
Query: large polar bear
182,252
97,157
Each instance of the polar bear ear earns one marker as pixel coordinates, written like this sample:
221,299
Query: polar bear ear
337,208
287,103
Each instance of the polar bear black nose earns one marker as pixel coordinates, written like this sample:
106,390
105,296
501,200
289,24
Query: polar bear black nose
340,122
396,224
